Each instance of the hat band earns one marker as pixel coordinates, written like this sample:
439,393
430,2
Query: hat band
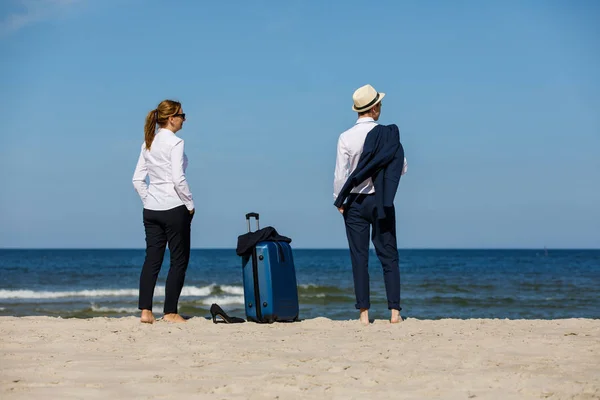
368,105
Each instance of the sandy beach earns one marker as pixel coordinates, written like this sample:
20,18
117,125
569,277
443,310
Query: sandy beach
119,358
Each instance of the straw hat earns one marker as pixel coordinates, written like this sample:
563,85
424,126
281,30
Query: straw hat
365,98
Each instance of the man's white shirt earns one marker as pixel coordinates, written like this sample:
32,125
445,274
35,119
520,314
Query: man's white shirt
349,149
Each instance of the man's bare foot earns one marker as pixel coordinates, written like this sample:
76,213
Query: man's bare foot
147,317
173,317
395,318
364,316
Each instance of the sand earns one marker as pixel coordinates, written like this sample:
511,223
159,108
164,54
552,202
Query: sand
119,358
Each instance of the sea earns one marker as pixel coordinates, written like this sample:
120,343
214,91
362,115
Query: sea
435,284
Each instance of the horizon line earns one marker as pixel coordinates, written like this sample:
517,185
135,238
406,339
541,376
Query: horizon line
310,248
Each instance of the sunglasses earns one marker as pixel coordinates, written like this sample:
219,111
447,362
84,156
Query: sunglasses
179,115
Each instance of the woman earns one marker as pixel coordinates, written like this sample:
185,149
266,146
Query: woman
168,207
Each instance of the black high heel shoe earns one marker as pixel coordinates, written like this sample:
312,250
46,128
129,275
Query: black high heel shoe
217,311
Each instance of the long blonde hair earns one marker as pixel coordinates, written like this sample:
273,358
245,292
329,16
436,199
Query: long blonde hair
159,116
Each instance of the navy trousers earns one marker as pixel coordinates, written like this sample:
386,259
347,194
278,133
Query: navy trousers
162,227
359,218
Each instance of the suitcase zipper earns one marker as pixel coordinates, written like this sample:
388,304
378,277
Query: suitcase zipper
257,303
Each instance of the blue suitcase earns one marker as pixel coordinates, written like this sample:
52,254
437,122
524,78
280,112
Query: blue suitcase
270,288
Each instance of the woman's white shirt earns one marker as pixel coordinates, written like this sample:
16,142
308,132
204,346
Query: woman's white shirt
165,164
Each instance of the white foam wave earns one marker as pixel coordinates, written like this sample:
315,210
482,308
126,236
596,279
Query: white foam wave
239,290
223,300
308,286
159,291
129,310
2,308
31,294
193,290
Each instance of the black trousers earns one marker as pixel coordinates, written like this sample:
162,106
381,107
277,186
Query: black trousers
359,217
173,227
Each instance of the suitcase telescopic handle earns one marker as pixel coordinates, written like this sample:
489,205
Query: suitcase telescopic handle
250,215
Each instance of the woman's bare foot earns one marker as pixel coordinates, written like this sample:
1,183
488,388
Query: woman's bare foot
395,318
364,316
147,317
173,317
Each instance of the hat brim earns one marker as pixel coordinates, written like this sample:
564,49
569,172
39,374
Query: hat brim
381,96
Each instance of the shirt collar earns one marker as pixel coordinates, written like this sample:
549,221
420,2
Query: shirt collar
164,130
364,119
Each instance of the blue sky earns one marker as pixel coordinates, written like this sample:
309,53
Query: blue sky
498,105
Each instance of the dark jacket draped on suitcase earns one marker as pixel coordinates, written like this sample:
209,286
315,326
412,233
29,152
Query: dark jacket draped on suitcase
247,241
382,160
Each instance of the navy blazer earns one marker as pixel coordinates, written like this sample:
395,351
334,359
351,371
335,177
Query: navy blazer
382,160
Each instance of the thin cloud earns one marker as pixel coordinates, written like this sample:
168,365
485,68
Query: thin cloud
28,12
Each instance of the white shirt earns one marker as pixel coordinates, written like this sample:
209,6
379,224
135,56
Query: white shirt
165,164
349,149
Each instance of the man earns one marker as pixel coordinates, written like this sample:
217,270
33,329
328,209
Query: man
369,163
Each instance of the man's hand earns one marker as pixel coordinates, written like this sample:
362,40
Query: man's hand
341,210
192,211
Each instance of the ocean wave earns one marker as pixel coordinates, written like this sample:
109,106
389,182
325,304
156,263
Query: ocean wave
311,288
324,299
239,290
128,310
223,300
229,291
32,294
469,301
191,291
